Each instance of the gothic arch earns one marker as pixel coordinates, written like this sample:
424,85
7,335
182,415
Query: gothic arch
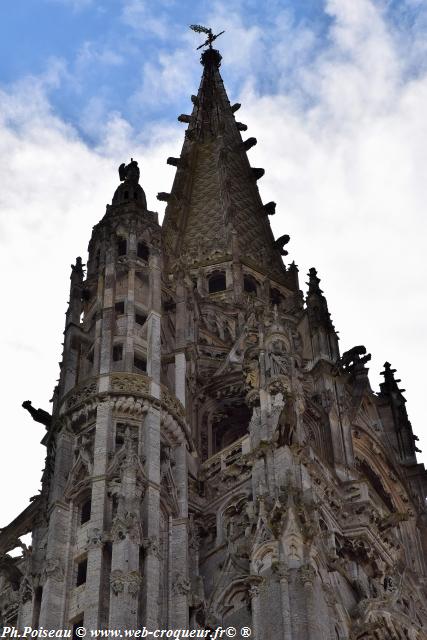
372,460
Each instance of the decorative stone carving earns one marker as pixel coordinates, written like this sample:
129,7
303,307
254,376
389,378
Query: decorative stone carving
25,589
172,404
117,581
94,538
252,374
54,569
151,546
307,574
134,583
81,394
181,585
130,382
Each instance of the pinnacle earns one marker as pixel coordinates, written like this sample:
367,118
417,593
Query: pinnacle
313,282
215,195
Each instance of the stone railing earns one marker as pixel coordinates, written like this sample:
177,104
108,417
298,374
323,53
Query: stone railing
222,460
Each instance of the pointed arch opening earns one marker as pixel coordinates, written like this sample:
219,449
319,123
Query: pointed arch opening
217,282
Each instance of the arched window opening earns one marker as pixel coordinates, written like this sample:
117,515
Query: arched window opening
276,297
249,284
217,282
140,363
38,594
143,251
81,572
117,352
85,511
121,247
76,625
376,483
119,308
230,424
140,319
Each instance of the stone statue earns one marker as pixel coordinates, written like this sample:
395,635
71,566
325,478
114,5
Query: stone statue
129,173
277,363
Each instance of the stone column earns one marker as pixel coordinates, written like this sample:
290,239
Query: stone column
282,573
126,534
129,350
307,576
94,578
151,511
125,584
254,595
107,315
180,581
53,600
26,595
180,373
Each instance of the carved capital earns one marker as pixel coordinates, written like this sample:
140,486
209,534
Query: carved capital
253,591
152,547
117,581
307,574
124,526
134,582
281,571
180,585
94,538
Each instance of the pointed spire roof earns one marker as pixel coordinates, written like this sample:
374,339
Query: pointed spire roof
391,393
214,209
316,302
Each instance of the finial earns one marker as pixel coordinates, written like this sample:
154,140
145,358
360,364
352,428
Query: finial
198,28
210,56
388,372
314,281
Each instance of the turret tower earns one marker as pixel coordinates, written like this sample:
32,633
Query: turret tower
212,459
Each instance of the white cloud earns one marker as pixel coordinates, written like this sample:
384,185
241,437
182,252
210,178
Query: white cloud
54,190
146,19
348,175
90,53
75,5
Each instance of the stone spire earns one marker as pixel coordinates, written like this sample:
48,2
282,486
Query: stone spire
395,417
324,336
214,209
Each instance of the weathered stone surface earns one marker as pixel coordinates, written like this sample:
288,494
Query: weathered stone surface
212,459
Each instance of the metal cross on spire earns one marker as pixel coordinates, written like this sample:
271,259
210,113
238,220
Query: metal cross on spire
201,29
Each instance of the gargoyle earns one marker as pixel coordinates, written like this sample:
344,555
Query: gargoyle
352,358
39,415
280,243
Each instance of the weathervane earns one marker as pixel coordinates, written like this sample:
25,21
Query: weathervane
200,29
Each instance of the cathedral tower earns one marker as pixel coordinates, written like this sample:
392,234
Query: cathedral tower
212,459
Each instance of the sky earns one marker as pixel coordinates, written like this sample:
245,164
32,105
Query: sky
335,91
